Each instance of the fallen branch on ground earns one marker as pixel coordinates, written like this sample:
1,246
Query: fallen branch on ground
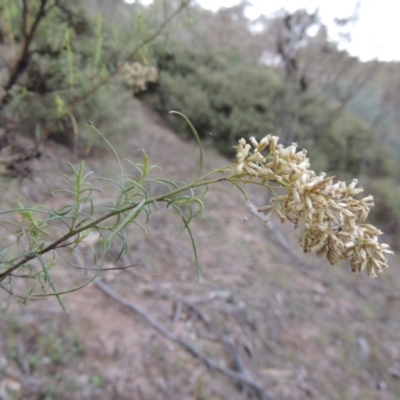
242,376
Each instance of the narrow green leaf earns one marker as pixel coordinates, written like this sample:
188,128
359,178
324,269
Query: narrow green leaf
129,218
112,149
197,137
50,280
196,257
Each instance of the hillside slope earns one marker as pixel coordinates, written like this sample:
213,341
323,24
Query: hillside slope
292,325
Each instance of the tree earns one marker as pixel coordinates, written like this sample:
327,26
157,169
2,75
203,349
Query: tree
59,59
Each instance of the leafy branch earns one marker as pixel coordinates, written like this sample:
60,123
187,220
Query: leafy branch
332,220
82,98
24,53
74,222
31,21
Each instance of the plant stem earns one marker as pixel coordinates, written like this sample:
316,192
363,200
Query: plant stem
78,101
163,197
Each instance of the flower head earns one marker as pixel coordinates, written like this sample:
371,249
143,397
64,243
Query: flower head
137,75
332,220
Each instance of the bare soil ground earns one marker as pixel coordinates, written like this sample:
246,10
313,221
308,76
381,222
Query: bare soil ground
296,327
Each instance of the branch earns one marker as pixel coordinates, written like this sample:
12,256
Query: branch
22,61
280,239
190,304
62,241
77,102
240,377
24,18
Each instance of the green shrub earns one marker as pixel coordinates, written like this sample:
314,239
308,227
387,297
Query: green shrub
230,98
55,67
387,206
69,57
221,93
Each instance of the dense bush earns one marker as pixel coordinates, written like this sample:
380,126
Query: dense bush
230,98
39,84
221,93
47,69
227,98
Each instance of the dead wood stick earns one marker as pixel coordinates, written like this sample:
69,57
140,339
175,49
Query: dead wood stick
272,228
186,344
280,239
189,304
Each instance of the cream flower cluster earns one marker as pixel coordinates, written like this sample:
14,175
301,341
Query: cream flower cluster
332,220
137,75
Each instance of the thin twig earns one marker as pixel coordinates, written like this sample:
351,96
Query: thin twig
21,62
239,365
280,239
95,223
77,102
178,311
189,304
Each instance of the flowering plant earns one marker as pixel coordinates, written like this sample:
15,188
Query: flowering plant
136,75
331,219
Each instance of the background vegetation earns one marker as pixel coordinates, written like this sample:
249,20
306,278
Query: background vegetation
282,80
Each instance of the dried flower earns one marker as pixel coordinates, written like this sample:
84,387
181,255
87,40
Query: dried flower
332,220
137,75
